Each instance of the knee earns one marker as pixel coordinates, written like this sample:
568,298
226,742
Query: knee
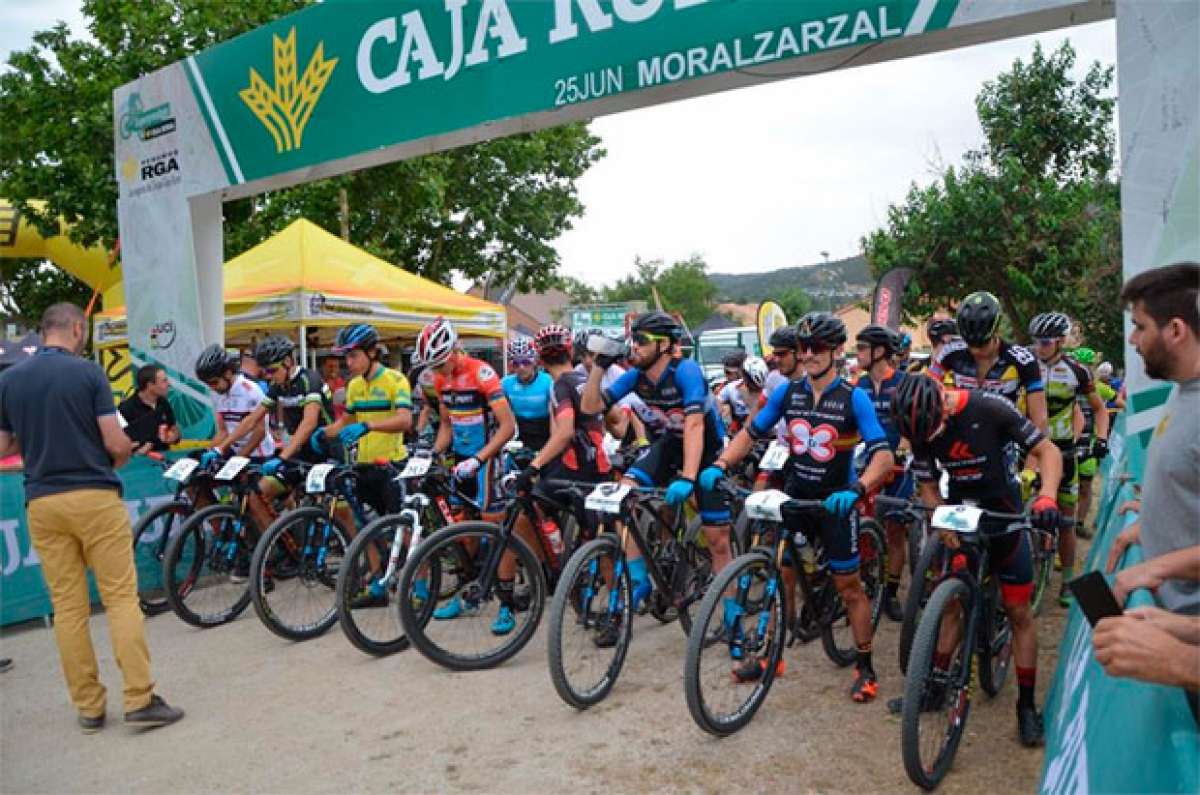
850,588
717,540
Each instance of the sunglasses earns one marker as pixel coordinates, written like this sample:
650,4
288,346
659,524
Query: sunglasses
1046,341
863,346
812,347
521,362
642,338
273,369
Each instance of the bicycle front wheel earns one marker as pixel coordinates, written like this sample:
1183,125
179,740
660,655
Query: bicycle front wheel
924,580
736,644
151,533
365,590
205,568
1043,550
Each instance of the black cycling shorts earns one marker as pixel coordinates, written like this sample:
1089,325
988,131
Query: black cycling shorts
659,464
378,488
839,537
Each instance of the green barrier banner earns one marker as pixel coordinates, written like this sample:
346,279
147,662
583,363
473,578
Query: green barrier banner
23,593
1105,734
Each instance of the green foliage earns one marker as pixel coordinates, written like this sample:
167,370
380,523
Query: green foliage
27,287
1033,217
795,302
492,207
580,291
684,287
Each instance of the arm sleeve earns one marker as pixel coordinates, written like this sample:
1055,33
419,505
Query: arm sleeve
868,422
1012,423
1028,370
404,395
690,380
314,389
168,412
102,399
621,387
489,383
1087,384
564,399
764,422
924,465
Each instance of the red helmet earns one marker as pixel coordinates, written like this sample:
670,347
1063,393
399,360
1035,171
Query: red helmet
553,338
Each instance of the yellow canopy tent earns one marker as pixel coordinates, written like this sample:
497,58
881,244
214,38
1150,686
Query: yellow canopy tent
306,278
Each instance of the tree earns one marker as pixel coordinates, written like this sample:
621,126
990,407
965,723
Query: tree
684,287
28,287
795,302
1033,216
492,207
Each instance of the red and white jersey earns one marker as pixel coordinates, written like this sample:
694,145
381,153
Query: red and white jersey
233,407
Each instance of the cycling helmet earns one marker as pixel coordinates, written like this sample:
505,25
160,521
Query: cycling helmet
273,350
733,360
783,337
658,323
360,336
553,339
917,407
521,348
1084,355
754,370
436,342
940,327
881,336
1050,325
213,362
823,327
978,317
1104,370
905,341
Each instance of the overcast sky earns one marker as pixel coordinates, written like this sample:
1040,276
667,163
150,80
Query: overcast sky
759,178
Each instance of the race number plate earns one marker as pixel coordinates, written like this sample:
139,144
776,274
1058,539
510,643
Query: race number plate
182,470
775,457
607,497
232,467
416,467
766,505
315,482
959,518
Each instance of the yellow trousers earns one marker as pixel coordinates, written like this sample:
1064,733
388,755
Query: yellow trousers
89,529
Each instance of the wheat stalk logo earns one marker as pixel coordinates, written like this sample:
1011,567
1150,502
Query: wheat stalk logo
285,108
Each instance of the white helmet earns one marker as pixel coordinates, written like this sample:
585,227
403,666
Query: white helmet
1105,370
754,369
435,343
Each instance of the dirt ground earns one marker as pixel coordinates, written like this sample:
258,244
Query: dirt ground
266,715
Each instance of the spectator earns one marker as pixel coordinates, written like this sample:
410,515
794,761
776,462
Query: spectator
1166,334
150,422
1151,645
57,409
331,374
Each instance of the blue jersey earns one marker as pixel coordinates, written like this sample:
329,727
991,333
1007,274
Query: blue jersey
678,393
531,406
882,400
822,434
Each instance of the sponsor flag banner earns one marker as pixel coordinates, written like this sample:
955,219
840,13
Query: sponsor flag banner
889,297
770,317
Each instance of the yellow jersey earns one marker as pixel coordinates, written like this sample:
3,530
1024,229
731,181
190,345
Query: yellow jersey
378,399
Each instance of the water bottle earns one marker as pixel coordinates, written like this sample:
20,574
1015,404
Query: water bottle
553,536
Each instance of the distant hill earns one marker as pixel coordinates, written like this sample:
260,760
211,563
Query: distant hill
849,277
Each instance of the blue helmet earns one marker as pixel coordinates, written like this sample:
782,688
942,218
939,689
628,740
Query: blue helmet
360,335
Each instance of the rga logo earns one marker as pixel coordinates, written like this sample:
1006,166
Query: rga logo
285,108
150,168
162,335
147,123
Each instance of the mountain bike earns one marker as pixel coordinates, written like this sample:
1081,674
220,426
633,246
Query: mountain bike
963,619
746,612
923,570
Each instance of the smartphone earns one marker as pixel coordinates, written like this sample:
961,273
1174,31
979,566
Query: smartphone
1095,598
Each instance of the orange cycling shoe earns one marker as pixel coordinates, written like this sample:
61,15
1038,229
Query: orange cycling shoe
866,686
753,669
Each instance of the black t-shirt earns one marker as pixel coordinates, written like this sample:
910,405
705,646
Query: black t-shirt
304,387
144,420
50,402
971,448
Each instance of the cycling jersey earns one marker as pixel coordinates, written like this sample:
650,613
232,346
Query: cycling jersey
531,406
585,456
731,394
1107,394
1066,381
881,399
303,387
679,392
378,398
1015,372
243,397
468,393
971,448
822,434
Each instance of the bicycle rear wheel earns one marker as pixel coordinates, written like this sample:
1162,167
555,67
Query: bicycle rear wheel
205,566
590,624
151,533
736,645
937,694
293,574
995,652
364,595
1043,550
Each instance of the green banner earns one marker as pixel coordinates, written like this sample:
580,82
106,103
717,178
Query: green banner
1105,734
23,593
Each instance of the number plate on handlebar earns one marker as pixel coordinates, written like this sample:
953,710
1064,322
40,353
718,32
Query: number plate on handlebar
315,482
766,505
182,470
959,518
776,456
607,497
416,467
232,467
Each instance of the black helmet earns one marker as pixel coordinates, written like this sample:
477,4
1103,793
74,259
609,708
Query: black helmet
733,360
882,336
978,317
917,407
1050,324
822,327
783,337
360,335
658,323
940,327
272,350
579,343
213,362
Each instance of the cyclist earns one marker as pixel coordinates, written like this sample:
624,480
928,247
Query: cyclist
966,433
1067,381
786,357
733,394
942,331
631,421
476,422
731,364
424,396
904,351
674,389
528,391
1091,462
234,397
984,361
825,419
875,346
